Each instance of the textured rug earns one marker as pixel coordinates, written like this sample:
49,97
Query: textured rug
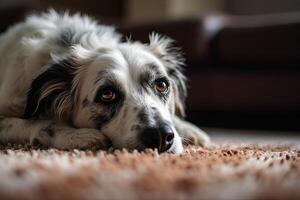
218,172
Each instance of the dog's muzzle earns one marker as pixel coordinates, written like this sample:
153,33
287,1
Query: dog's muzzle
161,137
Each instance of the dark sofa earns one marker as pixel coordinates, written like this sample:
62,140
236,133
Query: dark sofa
243,70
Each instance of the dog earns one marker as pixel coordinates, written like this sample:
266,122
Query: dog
68,82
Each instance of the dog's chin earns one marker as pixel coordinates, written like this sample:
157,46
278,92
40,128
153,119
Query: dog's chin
176,148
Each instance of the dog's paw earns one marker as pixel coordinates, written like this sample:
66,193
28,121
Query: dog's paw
191,134
89,139
84,138
194,136
64,138
42,137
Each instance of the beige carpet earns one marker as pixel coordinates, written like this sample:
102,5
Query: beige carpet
217,172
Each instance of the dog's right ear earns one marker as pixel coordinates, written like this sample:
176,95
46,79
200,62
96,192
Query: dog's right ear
50,91
172,58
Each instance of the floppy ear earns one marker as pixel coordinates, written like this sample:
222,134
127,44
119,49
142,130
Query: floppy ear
50,92
173,60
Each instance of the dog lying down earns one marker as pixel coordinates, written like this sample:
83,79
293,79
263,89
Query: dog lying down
68,82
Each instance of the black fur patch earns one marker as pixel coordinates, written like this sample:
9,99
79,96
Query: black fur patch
57,73
108,109
101,120
109,113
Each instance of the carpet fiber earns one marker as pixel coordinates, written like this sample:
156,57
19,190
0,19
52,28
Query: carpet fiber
218,172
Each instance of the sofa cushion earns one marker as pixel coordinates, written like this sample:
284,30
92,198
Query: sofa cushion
262,40
231,90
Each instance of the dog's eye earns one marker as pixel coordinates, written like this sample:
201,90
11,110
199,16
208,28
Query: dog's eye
162,85
108,95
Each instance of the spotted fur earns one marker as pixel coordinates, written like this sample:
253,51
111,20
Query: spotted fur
55,68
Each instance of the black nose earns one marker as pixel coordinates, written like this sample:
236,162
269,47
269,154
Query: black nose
161,138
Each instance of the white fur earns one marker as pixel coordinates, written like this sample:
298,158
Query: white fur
28,49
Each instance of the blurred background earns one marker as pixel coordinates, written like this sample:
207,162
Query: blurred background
243,57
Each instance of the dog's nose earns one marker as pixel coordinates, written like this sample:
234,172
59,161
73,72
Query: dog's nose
161,138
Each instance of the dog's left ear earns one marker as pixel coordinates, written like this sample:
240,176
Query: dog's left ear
172,58
50,91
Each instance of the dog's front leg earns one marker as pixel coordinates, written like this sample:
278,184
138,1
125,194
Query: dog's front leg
51,134
190,133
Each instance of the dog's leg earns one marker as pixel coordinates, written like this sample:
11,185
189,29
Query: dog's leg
50,134
190,133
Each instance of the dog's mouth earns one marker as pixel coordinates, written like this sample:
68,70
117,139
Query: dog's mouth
170,149
173,148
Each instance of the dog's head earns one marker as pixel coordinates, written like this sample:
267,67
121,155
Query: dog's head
130,92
